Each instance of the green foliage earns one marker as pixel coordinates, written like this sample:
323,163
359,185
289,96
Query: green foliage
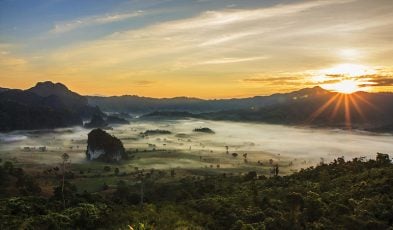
342,195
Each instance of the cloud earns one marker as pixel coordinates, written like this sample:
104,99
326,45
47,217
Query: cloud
269,79
230,60
374,80
144,83
294,80
7,58
377,80
68,26
213,37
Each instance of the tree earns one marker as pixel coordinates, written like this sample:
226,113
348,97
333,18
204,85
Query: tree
383,158
275,170
296,202
66,192
8,166
107,168
27,185
250,175
65,157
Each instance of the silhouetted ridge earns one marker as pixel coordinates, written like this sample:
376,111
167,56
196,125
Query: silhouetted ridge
44,106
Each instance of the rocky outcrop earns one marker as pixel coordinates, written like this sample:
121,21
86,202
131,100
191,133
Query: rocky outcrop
105,147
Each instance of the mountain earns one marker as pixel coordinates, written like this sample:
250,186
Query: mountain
310,106
60,95
47,105
318,107
136,104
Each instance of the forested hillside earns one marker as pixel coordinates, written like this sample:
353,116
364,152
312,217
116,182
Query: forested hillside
355,194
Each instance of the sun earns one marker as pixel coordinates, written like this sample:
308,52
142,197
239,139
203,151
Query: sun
344,86
345,78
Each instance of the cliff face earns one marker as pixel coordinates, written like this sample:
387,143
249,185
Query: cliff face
102,146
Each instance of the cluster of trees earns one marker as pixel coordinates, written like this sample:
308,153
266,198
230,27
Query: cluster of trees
203,130
355,194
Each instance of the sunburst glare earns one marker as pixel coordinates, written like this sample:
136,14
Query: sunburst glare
344,86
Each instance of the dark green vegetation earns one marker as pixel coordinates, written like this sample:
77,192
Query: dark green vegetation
203,130
156,132
356,194
44,106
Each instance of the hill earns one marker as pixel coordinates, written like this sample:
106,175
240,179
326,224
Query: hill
45,106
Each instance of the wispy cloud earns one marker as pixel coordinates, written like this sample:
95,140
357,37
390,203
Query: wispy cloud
143,83
190,40
8,59
230,60
67,26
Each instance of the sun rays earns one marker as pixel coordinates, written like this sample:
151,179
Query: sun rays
349,105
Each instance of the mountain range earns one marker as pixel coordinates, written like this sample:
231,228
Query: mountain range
51,105
141,105
318,107
307,107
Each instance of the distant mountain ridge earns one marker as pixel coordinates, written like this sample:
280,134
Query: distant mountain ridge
310,107
136,104
361,110
44,106
51,105
3,89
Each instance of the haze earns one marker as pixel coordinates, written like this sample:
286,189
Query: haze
284,144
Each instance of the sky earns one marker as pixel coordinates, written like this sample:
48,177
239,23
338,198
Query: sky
197,48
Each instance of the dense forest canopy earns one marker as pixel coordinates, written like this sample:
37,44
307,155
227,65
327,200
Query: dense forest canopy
356,194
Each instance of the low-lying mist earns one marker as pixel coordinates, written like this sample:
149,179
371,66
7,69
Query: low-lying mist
259,141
